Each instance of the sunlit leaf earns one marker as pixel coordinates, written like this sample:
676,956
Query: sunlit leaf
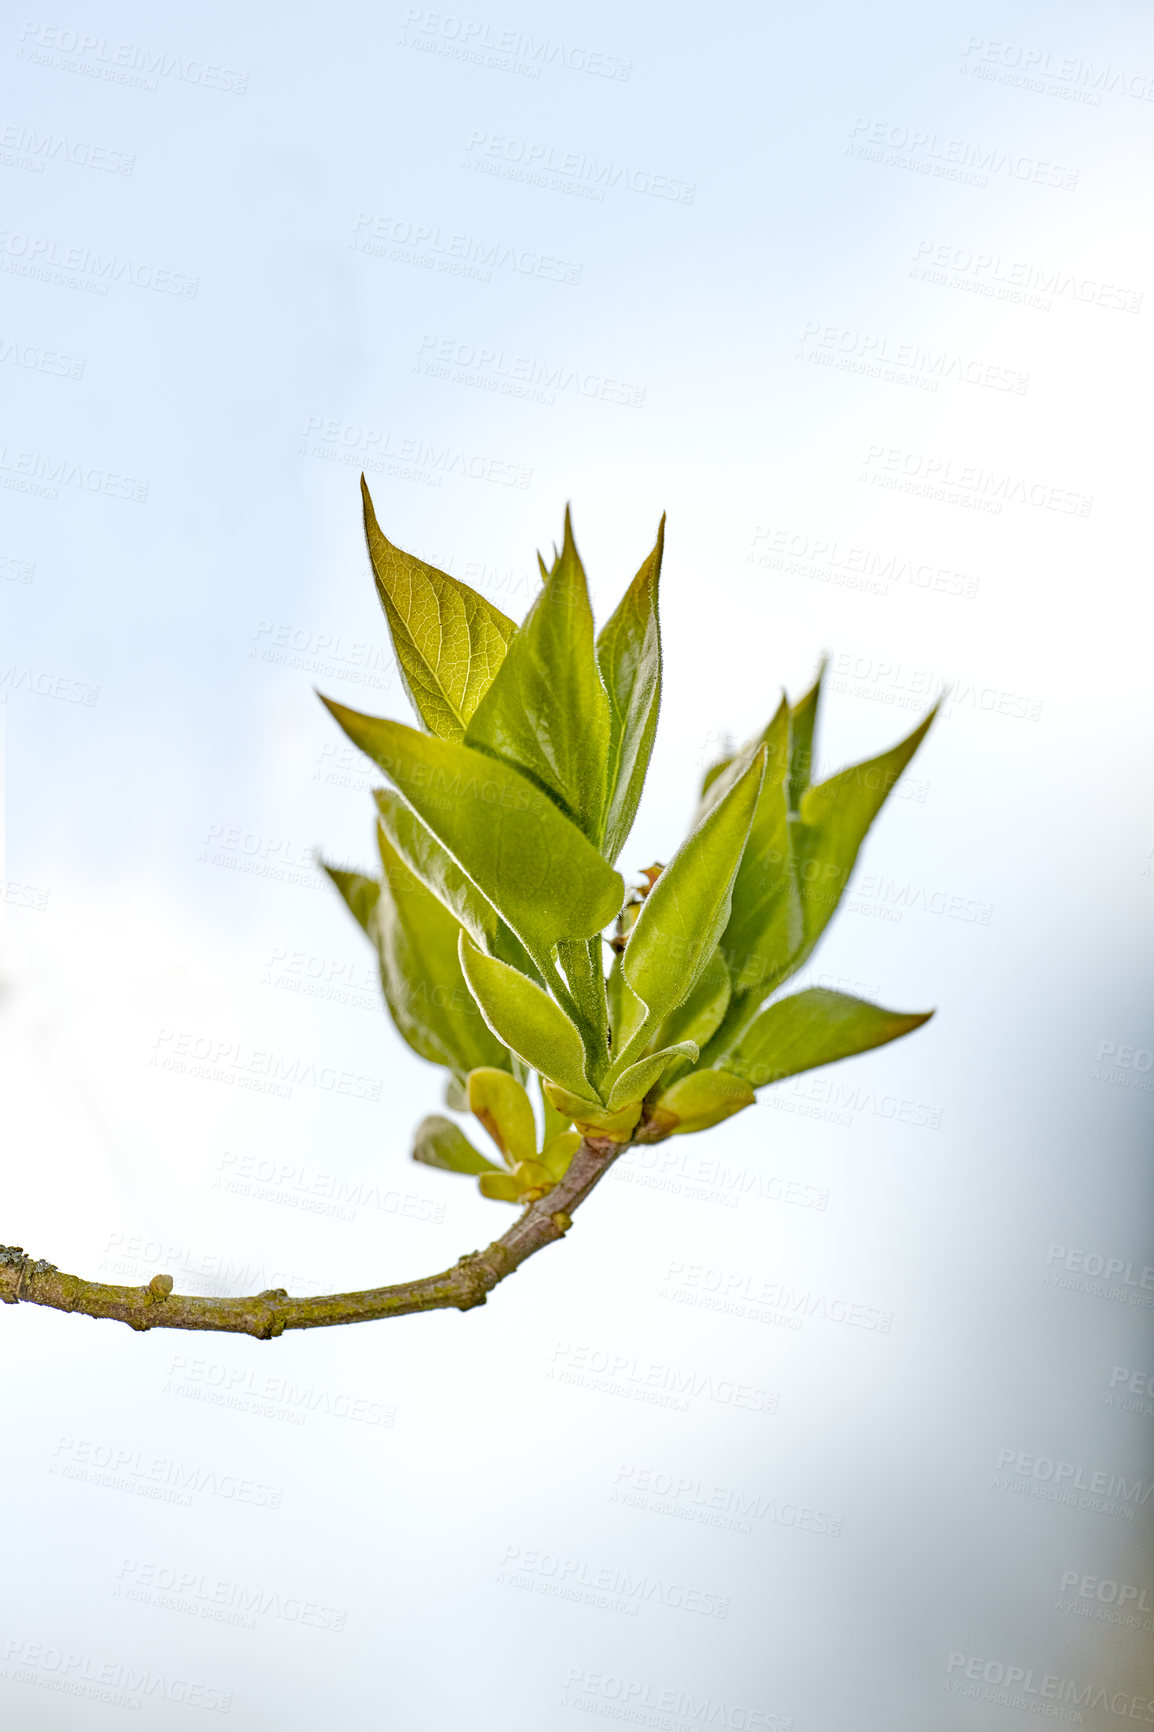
634,1083
501,1104
525,1018
629,657
700,1100
440,1143
813,1028
449,640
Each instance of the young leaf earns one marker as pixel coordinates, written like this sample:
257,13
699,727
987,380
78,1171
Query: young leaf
554,1123
833,819
439,872
593,1119
525,1018
813,1028
802,737
702,1099
449,640
421,975
635,1083
558,1152
440,1143
686,911
546,712
629,657
765,923
360,893
699,1015
501,1104
500,1187
535,867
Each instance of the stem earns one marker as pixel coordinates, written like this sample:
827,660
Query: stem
466,1284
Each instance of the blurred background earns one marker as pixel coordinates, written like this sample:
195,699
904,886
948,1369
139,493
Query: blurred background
842,1415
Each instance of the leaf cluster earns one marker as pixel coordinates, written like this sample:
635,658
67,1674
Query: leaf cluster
506,809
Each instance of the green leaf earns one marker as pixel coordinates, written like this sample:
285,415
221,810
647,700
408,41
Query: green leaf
525,1018
424,988
712,774
700,1100
699,1015
360,893
449,640
439,872
440,1143
635,1083
535,867
500,1187
546,712
685,913
833,819
764,928
501,1104
455,1095
554,1122
629,657
802,736
558,1153
813,1028
594,1119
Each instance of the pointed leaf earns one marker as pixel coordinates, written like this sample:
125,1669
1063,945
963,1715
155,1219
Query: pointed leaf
421,974
441,1143
833,819
813,1028
701,1100
503,1107
361,894
629,657
803,739
546,712
635,1083
712,774
449,640
558,1153
525,1018
701,1013
593,1119
555,1122
500,1187
765,924
534,866
685,913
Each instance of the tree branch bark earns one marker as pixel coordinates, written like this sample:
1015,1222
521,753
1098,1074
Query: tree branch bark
264,1315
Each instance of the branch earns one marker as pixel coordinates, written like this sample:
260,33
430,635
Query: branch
264,1315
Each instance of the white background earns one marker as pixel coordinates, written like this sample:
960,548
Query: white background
862,299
